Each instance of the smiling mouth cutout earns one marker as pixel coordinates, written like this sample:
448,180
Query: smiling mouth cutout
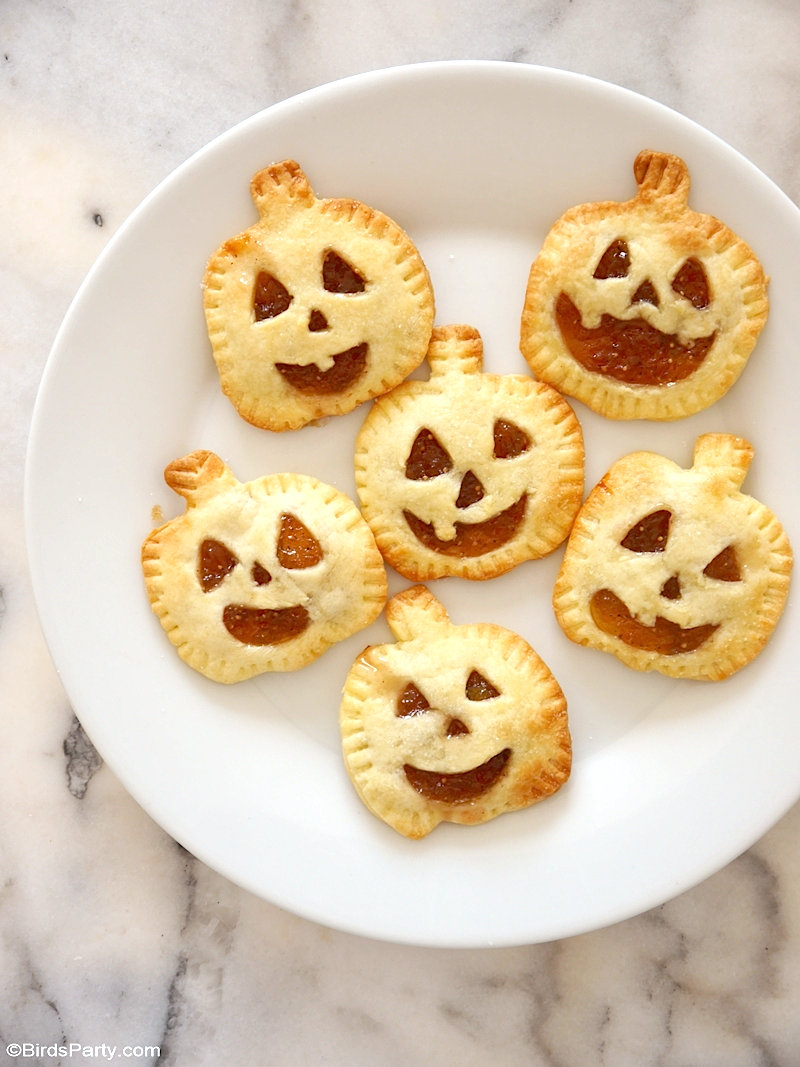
629,350
459,787
264,626
471,539
612,616
347,367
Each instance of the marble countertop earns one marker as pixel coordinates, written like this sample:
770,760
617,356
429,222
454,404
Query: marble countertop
117,944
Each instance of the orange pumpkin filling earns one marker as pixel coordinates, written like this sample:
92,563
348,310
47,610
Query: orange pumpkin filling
629,350
471,539
214,562
460,787
308,378
297,547
264,626
612,616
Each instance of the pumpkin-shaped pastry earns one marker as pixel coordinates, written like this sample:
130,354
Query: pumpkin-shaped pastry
643,309
459,723
467,473
259,576
317,307
675,570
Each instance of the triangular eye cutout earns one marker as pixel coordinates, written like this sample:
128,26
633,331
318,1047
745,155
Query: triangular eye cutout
411,701
692,284
649,534
297,546
614,262
480,688
724,566
339,277
214,562
510,440
427,458
270,297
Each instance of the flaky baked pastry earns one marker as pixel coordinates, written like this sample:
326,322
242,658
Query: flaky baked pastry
317,307
262,575
643,309
675,570
468,474
459,723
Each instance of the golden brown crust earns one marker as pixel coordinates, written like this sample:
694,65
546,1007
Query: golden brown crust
513,453
259,576
586,333
493,737
675,570
317,307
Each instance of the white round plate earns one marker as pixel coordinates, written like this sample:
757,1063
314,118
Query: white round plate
671,780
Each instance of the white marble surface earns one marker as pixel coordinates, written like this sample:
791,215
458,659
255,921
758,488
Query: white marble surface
111,935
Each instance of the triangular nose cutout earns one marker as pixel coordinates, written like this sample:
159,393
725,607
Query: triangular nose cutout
645,294
317,321
471,491
671,589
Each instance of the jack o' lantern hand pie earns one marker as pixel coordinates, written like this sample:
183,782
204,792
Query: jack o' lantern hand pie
468,474
317,307
455,723
675,570
262,575
643,309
